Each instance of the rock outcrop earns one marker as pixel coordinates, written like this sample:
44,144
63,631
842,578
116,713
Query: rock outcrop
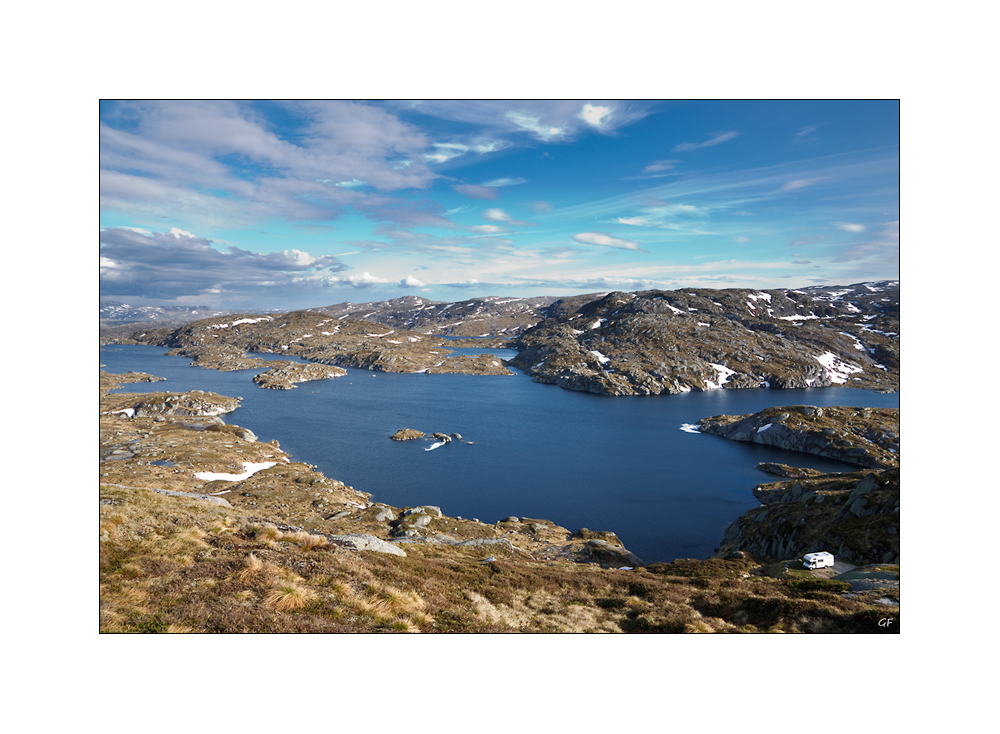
854,516
866,437
667,342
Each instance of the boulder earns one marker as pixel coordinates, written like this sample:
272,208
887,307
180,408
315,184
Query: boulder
363,541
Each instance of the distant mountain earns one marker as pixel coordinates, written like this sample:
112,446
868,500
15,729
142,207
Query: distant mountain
122,313
490,316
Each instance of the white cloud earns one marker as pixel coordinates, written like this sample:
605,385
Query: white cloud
595,115
486,229
410,282
605,240
741,238
848,227
497,215
363,280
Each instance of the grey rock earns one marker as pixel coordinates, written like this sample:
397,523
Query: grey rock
193,496
363,541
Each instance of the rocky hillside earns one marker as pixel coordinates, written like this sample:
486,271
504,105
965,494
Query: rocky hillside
490,316
653,342
203,528
854,515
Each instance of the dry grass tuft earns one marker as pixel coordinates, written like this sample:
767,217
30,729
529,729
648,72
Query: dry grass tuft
185,542
306,541
288,596
256,569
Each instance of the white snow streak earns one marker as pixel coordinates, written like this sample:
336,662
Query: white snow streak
249,467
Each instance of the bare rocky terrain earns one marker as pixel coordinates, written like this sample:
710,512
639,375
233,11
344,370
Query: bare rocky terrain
667,342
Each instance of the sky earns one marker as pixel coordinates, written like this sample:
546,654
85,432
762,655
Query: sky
295,204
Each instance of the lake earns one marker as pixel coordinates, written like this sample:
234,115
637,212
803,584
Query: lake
580,460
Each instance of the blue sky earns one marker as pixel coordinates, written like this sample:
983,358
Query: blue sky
281,205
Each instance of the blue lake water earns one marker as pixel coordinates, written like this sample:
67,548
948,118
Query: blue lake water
580,460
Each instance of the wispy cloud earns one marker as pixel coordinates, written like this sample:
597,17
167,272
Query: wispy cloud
714,140
220,161
499,215
801,183
678,217
444,152
804,132
534,125
505,182
543,120
657,166
603,239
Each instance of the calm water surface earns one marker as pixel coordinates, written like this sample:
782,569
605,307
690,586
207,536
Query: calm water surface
580,460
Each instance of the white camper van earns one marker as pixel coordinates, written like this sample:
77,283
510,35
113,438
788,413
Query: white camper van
817,560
